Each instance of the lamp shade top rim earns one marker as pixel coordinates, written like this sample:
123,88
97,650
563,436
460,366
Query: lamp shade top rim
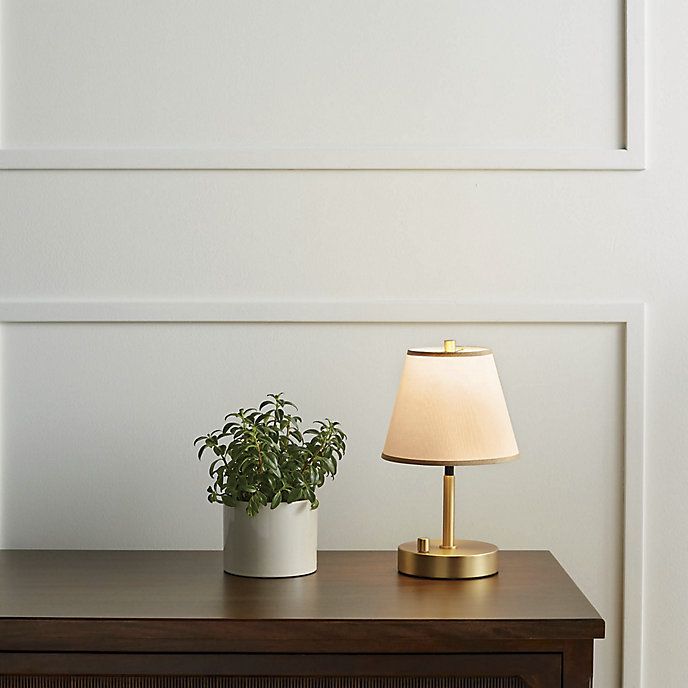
439,351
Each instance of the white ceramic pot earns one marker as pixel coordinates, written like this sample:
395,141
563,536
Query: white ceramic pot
275,543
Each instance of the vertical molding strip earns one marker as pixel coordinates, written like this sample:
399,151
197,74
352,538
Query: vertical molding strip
635,81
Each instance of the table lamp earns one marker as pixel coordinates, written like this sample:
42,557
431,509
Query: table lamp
449,411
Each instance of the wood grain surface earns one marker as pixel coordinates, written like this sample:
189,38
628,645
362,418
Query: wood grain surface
355,602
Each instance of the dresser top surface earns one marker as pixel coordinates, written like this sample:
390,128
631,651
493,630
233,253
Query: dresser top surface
531,585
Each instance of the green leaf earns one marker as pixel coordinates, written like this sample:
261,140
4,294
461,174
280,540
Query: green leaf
253,505
294,494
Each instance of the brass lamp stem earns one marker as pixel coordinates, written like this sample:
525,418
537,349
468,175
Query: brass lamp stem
448,508
447,558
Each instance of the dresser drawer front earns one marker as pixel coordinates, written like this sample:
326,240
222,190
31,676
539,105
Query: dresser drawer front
257,682
119,670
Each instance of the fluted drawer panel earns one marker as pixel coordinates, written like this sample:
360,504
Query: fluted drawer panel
257,682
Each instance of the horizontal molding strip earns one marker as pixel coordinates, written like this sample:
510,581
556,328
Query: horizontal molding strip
320,159
314,311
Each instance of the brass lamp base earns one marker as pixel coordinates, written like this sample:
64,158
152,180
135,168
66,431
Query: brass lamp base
467,559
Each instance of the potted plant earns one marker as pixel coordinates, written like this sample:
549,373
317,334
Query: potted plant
265,472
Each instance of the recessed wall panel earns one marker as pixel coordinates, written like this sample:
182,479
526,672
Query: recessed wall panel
98,422
332,75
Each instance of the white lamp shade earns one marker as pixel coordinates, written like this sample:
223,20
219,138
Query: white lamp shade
450,411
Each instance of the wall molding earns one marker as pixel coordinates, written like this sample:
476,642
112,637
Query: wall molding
631,156
630,315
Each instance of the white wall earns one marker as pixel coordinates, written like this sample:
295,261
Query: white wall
465,236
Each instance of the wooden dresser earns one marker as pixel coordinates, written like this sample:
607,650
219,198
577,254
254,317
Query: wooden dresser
174,619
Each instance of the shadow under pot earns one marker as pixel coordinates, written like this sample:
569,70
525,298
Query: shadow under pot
275,543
